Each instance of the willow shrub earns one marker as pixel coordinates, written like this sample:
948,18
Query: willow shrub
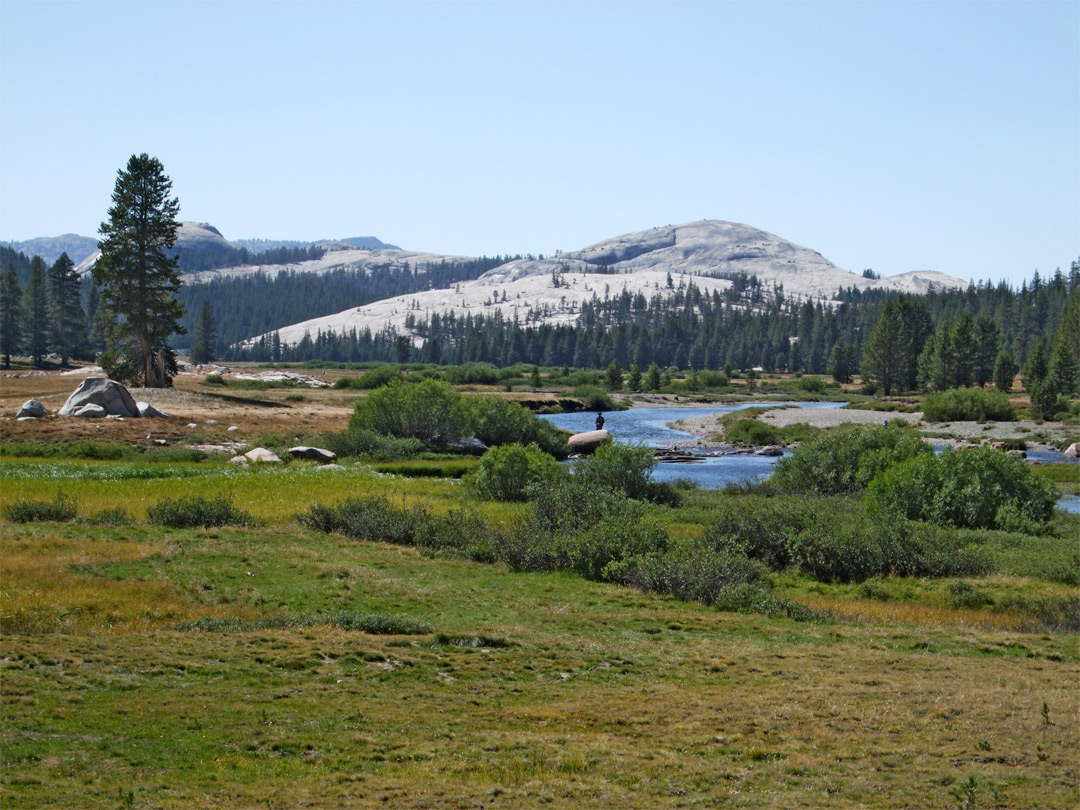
847,459
974,488
968,405
506,473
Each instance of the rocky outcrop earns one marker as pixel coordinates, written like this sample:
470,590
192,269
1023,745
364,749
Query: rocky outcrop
108,394
1073,450
32,408
472,446
587,442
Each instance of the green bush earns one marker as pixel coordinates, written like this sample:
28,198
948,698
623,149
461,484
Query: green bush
112,517
973,488
62,509
372,445
620,468
846,459
377,377
196,511
752,433
813,385
496,421
214,379
506,473
472,374
594,398
431,411
597,552
696,574
968,405
370,518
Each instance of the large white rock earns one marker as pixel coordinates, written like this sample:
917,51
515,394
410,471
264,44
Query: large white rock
109,394
263,455
1073,450
32,408
587,442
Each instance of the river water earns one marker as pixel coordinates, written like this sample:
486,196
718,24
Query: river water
649,426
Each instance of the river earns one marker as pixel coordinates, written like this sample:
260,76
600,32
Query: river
649,426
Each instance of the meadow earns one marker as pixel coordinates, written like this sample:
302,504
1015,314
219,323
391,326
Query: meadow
276,665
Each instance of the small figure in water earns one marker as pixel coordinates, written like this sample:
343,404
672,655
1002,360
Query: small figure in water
599,421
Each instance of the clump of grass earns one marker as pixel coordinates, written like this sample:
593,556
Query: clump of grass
116,516
62,509
383,624
472,642
197,511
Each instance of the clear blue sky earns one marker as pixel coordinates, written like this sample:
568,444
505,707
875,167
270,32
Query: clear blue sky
897,136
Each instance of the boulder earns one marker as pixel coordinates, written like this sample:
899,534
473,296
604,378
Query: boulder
149,411
108,394
263,455
587,442
243,461
1073,450
769,450
472,446
91,411
313,454
32,408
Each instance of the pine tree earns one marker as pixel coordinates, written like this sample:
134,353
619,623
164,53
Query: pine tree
36,313
66,316
1004,372
10,314
138,280
204,349
634,380
614,376
652,378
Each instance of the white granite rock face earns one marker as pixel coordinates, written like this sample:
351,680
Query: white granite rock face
108,394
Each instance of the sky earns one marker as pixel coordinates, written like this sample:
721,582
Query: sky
893,136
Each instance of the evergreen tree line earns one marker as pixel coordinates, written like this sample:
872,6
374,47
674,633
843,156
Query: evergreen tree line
46,316
261,302
945,339
195,261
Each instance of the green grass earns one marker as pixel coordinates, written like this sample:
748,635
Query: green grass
277,666
1065,477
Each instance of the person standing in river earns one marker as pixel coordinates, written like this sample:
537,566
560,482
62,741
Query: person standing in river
599,420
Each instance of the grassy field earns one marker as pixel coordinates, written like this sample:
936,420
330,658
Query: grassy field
143,666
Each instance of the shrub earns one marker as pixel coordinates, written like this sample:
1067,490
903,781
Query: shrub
846,459
813,385
214,379
505,473
62,509
431,411
370,518
112,517
496,421
597,552
697,574
752,432
618,467
594,398
196,511
472,374
377,377
369,444
968,405
975,488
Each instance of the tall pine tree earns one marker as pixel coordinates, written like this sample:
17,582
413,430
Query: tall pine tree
66,316
204,348
138,280
36,313
10,314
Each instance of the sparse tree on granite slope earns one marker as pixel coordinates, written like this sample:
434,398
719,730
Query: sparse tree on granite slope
10,314
138,280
